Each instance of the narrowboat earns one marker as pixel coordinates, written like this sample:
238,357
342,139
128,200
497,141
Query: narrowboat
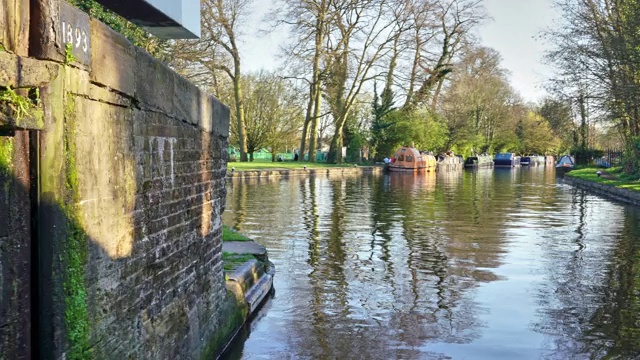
532,160
565,164
537,160
450,162
506,159
410,159
479,161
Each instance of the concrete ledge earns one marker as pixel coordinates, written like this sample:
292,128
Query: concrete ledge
251,282
17,71
624,195
113,59
275,173
154,83
221,118
77,82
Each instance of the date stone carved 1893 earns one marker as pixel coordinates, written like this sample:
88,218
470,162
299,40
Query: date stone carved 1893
75,29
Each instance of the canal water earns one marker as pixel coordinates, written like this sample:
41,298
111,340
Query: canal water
487,264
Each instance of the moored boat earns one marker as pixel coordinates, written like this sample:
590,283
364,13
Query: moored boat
532,160
410,159
479,161
566,163
506,159
450,162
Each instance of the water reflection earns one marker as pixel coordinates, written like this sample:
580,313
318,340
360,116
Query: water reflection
492,264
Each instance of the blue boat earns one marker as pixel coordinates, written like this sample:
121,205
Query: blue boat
506,160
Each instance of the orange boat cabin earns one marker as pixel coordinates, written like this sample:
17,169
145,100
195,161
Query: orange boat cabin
410,159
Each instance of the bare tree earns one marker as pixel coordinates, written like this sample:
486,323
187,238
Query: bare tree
597,59
217,53
446,23
308,22
361,35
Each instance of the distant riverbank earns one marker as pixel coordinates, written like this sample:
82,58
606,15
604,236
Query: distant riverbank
612,182
286,169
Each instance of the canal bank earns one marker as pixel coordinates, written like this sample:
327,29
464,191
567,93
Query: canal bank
303,171
248,280
617,193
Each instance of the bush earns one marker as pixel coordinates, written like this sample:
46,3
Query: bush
585,156
631,157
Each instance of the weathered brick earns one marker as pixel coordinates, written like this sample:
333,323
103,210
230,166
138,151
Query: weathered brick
150,155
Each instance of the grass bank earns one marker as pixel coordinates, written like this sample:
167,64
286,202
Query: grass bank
612,177
229,234
269,165
232,260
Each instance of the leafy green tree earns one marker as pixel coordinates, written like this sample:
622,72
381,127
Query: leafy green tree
536,135
273,112
479,102
559,116
423,128
382,106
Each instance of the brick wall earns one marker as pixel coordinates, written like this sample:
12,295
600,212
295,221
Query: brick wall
132,168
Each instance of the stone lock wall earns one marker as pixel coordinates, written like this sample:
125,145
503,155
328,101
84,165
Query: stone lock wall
132,162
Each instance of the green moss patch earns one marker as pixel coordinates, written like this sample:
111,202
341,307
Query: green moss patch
612,177
233,317
229,234
19,105
6,153
232,261
74,254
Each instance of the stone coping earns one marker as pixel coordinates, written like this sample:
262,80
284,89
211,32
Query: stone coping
273,173
624,195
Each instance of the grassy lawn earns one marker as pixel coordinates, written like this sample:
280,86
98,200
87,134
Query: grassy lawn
229,234
268,165
612,176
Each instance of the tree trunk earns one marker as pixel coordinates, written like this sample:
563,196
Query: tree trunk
583,122
242,132
335,150
434,101
414,73
313,136
305,128
317,93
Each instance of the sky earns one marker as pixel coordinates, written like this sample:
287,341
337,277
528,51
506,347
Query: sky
513,31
